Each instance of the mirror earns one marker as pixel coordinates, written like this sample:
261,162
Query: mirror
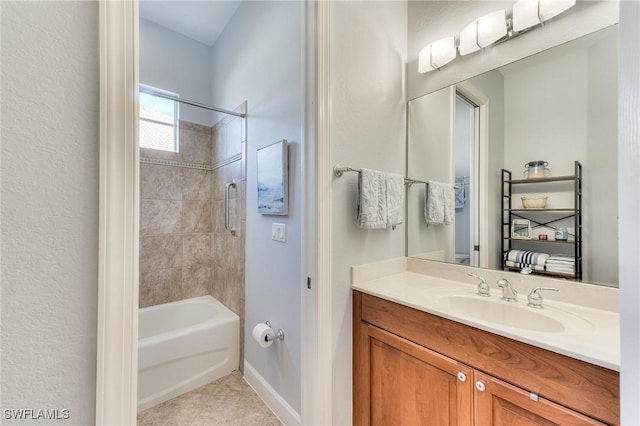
557,107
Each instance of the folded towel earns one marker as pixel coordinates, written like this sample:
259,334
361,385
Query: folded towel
523,265
371,207
461,195
380,199
529,258
395,198
439,203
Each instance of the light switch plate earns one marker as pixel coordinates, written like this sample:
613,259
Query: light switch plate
279,232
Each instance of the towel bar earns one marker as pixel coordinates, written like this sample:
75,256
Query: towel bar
339,170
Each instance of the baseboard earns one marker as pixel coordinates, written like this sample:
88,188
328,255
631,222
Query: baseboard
274,401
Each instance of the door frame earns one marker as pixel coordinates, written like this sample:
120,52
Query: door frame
481,172
118,281
117,334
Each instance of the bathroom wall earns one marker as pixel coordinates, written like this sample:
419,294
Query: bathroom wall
49,190
629,205
173,62
259,58
368,122
176,221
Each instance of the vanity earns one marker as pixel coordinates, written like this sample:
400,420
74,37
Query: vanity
429,350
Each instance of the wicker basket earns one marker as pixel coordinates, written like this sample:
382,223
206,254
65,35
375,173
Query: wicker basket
534,202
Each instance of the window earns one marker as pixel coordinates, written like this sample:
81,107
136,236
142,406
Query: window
158,120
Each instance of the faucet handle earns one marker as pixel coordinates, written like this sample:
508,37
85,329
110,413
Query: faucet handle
509,294
483,287
535,298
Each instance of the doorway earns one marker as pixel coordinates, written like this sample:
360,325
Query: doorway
466,166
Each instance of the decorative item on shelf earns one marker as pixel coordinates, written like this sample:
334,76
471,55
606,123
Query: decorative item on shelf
521,229
534,202
543,237
562,234
536,169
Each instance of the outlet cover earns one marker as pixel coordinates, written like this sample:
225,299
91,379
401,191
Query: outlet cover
279,232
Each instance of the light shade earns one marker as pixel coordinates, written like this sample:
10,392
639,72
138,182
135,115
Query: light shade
551,8
525,15
483,32
436,54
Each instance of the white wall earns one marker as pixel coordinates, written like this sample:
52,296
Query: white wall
629,205
259,58
367,129
173,62
50,80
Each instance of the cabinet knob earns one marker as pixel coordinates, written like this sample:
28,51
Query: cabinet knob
462,377
480,386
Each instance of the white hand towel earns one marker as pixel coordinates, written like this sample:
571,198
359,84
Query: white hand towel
371,208
439,205
395,198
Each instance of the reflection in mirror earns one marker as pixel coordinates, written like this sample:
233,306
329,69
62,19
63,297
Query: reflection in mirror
558,107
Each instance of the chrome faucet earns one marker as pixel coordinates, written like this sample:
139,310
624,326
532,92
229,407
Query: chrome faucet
509,294
535,298
483,287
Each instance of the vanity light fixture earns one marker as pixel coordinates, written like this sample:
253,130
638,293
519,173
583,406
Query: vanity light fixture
436,54
483,32
529,13
489,29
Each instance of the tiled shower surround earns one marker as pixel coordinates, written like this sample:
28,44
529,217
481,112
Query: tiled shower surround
185,250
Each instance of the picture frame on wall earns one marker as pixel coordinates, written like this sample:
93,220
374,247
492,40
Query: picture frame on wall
273,179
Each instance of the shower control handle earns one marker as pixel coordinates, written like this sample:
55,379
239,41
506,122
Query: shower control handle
227,220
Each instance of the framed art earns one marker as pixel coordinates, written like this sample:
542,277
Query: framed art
521,229
273,180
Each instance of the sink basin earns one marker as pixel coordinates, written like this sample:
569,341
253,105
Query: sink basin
496,311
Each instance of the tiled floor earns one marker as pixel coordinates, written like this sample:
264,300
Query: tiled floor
227,401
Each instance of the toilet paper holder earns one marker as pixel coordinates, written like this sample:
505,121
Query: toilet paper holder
271,337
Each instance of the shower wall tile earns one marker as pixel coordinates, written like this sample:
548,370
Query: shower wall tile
160,182
196,184
197,249
159,217
197,216
160,252
160,286
195,127
195,146
196,280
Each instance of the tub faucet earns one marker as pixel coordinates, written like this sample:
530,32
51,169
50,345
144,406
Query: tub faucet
509,294
483,287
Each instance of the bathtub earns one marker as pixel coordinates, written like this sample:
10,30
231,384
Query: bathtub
183,345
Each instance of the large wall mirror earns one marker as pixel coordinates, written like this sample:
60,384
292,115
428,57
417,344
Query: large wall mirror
557,107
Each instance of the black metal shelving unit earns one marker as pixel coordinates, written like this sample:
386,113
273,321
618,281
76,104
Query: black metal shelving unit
509,213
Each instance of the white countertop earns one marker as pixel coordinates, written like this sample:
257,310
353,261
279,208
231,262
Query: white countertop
594,337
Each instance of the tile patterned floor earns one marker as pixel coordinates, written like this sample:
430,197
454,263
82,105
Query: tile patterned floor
227,401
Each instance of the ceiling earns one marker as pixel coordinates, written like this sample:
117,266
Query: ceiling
202,20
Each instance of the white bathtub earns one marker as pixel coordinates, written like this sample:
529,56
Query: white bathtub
183,345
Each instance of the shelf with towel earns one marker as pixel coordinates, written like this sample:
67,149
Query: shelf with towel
339,170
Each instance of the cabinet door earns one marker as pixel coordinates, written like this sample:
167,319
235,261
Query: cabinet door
411,385
500,404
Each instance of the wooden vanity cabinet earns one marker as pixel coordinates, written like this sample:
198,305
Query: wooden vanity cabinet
414,368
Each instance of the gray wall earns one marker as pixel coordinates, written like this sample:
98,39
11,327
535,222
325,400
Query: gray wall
368,122
50,82
173,62
258,58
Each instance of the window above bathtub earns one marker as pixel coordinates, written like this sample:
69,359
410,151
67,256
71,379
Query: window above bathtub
159,118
